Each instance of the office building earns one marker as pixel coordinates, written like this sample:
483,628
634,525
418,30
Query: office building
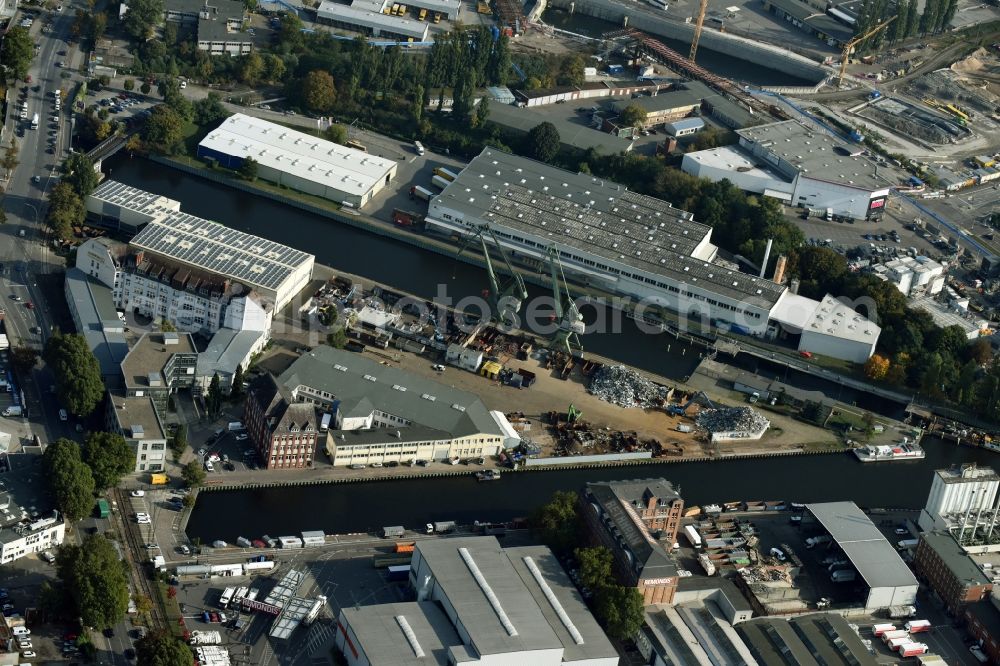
798,165
136,419
982,620
283,431
638,522
957,492
950,572
888,580
219,24
478,603
633,245
369,17
298,161
21,535
383,414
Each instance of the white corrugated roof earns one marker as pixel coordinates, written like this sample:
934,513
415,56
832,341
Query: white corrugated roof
299,154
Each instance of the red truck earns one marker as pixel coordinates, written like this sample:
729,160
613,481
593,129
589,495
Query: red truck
405,218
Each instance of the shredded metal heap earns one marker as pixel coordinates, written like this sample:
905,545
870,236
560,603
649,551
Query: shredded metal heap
625,387
728,419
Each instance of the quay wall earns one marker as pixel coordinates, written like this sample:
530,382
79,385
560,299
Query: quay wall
755,52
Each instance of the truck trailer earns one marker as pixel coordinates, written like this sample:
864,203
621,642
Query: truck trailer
446,174
421,193
440,181
692,535
916,626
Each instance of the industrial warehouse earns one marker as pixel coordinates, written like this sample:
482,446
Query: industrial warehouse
800,167
383,414
297,160
638,246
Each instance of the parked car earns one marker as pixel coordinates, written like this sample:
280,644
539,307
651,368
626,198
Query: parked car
138,493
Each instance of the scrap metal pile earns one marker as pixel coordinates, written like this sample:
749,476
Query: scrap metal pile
579,437
626,388
730,419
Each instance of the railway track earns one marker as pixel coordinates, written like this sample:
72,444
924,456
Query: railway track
135,558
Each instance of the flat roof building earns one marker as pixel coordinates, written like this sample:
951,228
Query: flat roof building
298,160
93,309
573,136
799,165
368,17
275,271
508,605
125,208
135,418
626,243
383,414
949,570
890,582
817,639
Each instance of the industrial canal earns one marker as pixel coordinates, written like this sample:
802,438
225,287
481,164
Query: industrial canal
367,506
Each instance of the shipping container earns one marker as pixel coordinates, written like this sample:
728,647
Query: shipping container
314,538
393,532
289,542
159,479
258,566
692,535
438,181
900,612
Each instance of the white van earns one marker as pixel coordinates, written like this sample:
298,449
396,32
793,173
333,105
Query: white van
63,416
419,147
236,425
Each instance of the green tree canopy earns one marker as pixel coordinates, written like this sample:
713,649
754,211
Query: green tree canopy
337,338
193,473
78,375
595,566
209,110
543,141
17,51
164,130
236,387
79,172
161,648
557,522
109,458
248,169
318,91
632,115
69,479
96,579
213,400
142,16
621,611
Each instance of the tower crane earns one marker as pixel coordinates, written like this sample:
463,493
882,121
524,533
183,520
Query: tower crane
567,337
849,46
699,22
504,298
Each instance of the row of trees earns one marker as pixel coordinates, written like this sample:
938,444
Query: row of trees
66,200
74,473
909,21
619,608
79,385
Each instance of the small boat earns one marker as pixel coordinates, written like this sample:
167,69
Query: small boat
488,475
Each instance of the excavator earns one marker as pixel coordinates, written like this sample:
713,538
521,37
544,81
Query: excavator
504,298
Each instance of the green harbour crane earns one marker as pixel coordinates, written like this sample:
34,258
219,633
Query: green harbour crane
504,297
567,337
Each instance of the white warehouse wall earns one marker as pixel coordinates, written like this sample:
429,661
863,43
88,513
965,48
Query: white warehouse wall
828,345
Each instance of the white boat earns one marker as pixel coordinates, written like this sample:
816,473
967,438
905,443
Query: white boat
905,450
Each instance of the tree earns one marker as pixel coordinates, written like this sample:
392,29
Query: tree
145,88
336,133
248,170
10,156
209,110
142,17
621,610
632,115
98,26
96,580
79,172
79,385
571,71
877,367
929,16
128,85
980,351
80,22
595,567
274,67
868,422
161,648
236,387
251,68
556,521
109,458
213,400
179,442
543,141
482,112
337,338
193,474
947,13
70,480
17,52
23,358
318,91
164,130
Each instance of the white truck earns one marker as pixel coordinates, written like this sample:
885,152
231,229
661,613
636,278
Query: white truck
13,410
692,535
421,193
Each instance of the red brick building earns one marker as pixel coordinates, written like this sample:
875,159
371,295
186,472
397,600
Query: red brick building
950,572
638,522
983,620
283,432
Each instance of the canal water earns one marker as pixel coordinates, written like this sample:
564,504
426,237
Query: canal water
723,64
365,507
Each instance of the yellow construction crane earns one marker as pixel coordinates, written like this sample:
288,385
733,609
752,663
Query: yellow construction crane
697,28
849,46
